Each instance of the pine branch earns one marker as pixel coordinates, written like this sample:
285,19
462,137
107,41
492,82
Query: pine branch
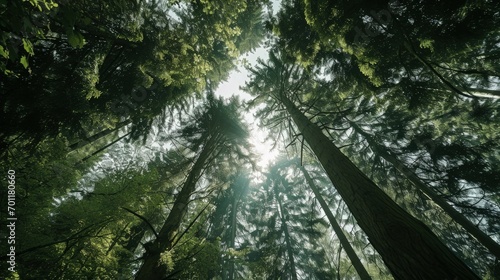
142,218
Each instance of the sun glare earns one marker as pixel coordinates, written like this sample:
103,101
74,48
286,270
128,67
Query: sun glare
262,148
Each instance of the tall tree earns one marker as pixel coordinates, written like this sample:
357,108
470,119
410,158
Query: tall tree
97,65
86,229
216,129
486,240
356,262
434,141
286,228
226,222
402,45
284,217
388,226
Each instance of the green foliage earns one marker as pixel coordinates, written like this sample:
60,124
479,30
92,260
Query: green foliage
125,59
286,225
198,259
18,26
75,39
414,80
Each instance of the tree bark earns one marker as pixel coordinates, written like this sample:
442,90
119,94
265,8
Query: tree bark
288,241
482,92
232,234
458,217
408,247
356,262
152,268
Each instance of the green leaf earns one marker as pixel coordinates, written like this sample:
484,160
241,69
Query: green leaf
76,39
28,46
36,5
4,52
24,61
427,44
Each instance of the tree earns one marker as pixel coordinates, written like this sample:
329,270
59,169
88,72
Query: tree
126,166
98,66
389,235
84,231
360,269
215,129
285,228
226,223
400,45
440,143
486,240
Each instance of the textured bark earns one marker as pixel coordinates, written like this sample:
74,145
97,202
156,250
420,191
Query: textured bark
151,268
356,262
482,237
408,247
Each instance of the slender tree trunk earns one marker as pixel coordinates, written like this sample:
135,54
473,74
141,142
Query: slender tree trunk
467,92
101,149
97,136
447,83
408,247
476,92
288,240
482,237
238,190
232,235
151,268
482,92
356,262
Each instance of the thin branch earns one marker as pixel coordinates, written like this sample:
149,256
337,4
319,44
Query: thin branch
190,225
142,218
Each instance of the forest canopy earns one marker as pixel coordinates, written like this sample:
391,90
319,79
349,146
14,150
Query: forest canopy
122,159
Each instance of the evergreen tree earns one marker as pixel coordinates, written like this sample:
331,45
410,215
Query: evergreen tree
214,130
364,199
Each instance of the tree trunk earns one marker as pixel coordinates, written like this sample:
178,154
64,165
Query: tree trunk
408,247
232,234
97,136
482,92
102,149
288,241
356,262
483,238
151,268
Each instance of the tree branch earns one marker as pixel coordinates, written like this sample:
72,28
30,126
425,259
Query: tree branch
142,218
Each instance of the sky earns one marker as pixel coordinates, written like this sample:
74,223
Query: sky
261,146
239,76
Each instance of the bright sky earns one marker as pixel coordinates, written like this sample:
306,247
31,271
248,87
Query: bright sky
261,147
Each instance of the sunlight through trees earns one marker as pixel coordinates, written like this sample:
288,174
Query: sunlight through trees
250,139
